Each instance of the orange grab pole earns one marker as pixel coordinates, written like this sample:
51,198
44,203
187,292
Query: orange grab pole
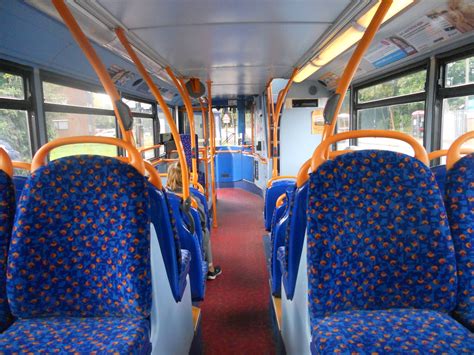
454,152
356,58
271,118
153,176
94,60
319,155
156,93
204,151
145,149
276,119
189,110
134,155
21,165
6,163
437,153
212,138
282,177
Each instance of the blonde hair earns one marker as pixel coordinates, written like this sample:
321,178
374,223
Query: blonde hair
174,181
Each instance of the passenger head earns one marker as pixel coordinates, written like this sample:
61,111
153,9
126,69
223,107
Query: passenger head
174,181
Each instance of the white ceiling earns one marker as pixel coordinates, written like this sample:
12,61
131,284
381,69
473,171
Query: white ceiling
239,45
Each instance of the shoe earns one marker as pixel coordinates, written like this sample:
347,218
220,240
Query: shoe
213,275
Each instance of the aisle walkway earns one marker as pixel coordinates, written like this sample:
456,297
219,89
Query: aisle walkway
236,318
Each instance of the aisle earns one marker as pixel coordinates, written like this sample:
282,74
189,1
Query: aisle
235,314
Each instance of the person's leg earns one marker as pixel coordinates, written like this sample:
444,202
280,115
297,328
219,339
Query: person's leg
213,271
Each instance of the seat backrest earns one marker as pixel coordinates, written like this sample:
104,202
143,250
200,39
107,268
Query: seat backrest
378,236
440,175
19,183
81,241
460,208
202,198
294,238
7,213
271,196
164,221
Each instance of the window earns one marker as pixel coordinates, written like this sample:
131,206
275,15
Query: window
15,112
343,123
74,112
457,99
397,104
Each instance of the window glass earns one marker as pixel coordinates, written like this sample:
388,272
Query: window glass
164,126
72,124
460,72
344,121
11,86
143,134
65,95
458,118
407,118
405,85
226,127
248,127
14,134
139,107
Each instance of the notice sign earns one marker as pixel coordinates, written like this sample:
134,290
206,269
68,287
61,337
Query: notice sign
317,121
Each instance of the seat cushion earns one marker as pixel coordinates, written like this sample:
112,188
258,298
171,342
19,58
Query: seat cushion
78,335
390,331
460,207
378,236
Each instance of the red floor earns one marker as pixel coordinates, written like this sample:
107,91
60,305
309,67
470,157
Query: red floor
235,313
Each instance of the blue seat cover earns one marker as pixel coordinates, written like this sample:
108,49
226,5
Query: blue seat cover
163,219
192,243
70,335
378,238
440,175
394,331
294,240
272,193
81,249
7,213
19,182
202,198
460,207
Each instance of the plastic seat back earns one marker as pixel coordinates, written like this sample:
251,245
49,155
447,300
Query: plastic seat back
378,236
294,239
271,195
192,243
460,208
162,217
7,213
81,241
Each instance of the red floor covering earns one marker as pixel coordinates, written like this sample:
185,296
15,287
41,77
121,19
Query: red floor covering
235,313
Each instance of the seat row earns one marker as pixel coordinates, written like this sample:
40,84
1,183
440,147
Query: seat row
373,258
96,247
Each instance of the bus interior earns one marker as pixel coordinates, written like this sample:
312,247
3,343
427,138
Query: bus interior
237,177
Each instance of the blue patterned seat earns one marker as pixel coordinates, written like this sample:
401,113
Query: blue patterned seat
277,237
80,257
78,335
7,213
19,183
460,208
177,266
393,331
193,243
272,193
290,254
440,174
378,239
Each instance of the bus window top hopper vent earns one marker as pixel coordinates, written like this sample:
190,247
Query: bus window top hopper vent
330,108
125,114
195,88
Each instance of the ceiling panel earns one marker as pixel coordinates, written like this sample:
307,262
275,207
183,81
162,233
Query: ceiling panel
239,45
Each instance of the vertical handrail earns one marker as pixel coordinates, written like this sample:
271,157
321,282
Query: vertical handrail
190,113
212,137
252,123
269,119
169,117
204,155
356,58
95,62
276,120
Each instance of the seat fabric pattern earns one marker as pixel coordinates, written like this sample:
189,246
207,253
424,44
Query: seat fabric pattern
7,212
460,207
188,152
19,183
77,335
271,196
440,175
81,241
394,331
378,236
